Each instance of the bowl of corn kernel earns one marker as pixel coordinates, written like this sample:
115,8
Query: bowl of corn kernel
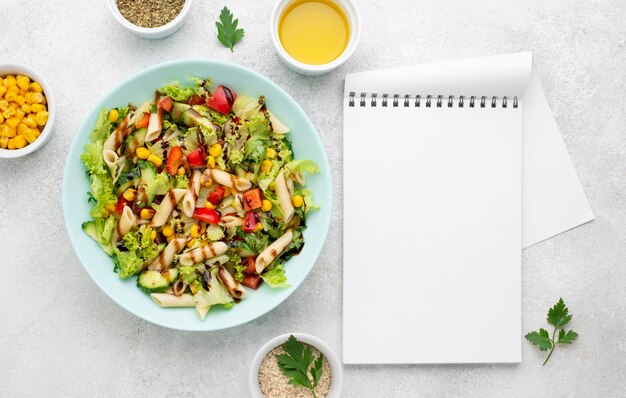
26,111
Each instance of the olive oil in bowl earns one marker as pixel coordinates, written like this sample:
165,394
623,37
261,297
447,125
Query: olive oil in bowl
314,32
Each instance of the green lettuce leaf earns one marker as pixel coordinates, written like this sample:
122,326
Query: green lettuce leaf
256,147
93,160
159,186
275,277
217,293
246,107
188,274
257,125
102,192
300,166
177,92
307,195
137,250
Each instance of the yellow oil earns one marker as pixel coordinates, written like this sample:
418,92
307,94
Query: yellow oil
314,32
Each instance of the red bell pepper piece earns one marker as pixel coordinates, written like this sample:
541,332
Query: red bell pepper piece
143,121
252,281
166,103
173,160
196,100
209,216
222,99
252,199
216,195
121,202
196,158
252,219
250,264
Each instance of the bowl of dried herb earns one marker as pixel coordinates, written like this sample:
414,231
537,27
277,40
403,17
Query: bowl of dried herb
150,19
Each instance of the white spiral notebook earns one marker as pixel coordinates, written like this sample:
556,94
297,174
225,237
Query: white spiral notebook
449,170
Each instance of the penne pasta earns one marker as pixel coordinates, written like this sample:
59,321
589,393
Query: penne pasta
118,136
169,300
110,158
226,179
272,251
191,196
284,197
231,221
202,253
231,284
127,222
202,310
166,257
167,205
155,126
178,288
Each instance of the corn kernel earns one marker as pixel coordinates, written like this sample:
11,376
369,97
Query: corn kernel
267,205
35,132
113,115
191,243
206,182
9,112
19,114
153,234
181,171
169,238
36,98
167,231
36,87
142,153
11,144
7,81
146,213
210,163
31,121
1,119
36,108
29,135
4,141
42,118
110,208
270,153
10,96
4,105
44,101
297,201
3,90
266,166
12,122
22,127
14,89
23,82
9,131
105,213
227,192
23,93
19,142
155,160
130,194
259,227
272,186
208,205
20,100
215,150
195,231
25,108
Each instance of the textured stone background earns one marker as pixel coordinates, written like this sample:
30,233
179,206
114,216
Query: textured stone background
60,336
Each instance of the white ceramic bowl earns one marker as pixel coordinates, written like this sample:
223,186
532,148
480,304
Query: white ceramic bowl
354,21
19,69
336,368
151,33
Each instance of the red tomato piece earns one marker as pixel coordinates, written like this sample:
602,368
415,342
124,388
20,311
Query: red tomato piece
166,103
216,195
250,264
252,219
121,202
173,160
143,121
252,281
209,216
252,199
222,99
196,158
196,100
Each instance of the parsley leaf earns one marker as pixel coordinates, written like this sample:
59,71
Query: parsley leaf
227,32
295,364
558,316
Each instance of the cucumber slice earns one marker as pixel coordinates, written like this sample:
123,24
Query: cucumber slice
154,281
90,229
134,141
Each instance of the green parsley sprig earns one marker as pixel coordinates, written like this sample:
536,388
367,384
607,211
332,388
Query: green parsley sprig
296,364
227,32
559,317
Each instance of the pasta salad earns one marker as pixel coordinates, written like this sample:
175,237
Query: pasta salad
198,194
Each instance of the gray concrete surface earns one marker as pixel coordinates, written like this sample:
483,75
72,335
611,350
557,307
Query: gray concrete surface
60,336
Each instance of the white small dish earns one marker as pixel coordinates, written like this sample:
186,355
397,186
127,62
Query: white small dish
354,21
336,368
20,69
152,33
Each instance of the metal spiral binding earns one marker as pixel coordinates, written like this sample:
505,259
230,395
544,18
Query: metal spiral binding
439,100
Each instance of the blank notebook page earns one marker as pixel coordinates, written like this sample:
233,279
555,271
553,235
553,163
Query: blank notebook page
432,234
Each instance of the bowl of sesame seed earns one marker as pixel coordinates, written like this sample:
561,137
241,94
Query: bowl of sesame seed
279,357
150,19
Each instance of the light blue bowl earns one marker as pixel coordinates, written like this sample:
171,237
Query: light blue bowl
306,144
